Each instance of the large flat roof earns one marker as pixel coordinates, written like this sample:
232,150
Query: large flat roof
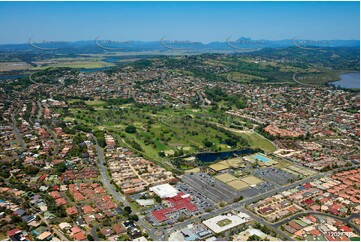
233,221
164,190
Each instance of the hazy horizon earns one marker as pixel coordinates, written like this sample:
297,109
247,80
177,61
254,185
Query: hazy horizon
193,21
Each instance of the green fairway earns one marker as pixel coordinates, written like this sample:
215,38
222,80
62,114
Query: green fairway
257,141
173,132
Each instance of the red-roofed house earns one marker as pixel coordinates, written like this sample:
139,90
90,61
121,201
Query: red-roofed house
60,201
79,236
71,211
13,232
55,194
87,209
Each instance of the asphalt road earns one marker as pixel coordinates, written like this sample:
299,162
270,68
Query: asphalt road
105,179
271,226
106,182
56,150
17,134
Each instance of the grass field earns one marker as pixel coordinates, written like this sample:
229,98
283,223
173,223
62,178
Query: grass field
224,164
224,222
173,132
238,184
219,166
225,177
95,103
242,78
167,131
14,66
257,141
251,180
76,64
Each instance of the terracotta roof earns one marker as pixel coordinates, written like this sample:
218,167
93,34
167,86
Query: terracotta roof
13,232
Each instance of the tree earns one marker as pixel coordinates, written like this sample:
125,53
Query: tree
208,143
100,235
131,129
133,217
128,210
158,199
254,238
60,168
15,219
31,170
222,204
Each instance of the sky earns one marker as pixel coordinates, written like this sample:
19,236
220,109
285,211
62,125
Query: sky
181,21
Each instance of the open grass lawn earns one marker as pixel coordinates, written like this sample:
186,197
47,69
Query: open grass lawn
242,78
281,162
95,103
159,145
225,177
238,184
14,66
257,141
76,64
224,222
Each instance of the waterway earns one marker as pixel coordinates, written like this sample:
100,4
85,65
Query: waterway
212,157
7,77
348,80
95,69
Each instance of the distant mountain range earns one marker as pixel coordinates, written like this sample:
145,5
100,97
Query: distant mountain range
246,44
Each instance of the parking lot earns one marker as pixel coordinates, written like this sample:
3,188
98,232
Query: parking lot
259,189
274,175
201,201
210,187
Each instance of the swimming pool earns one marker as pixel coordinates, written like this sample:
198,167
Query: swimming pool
261,158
